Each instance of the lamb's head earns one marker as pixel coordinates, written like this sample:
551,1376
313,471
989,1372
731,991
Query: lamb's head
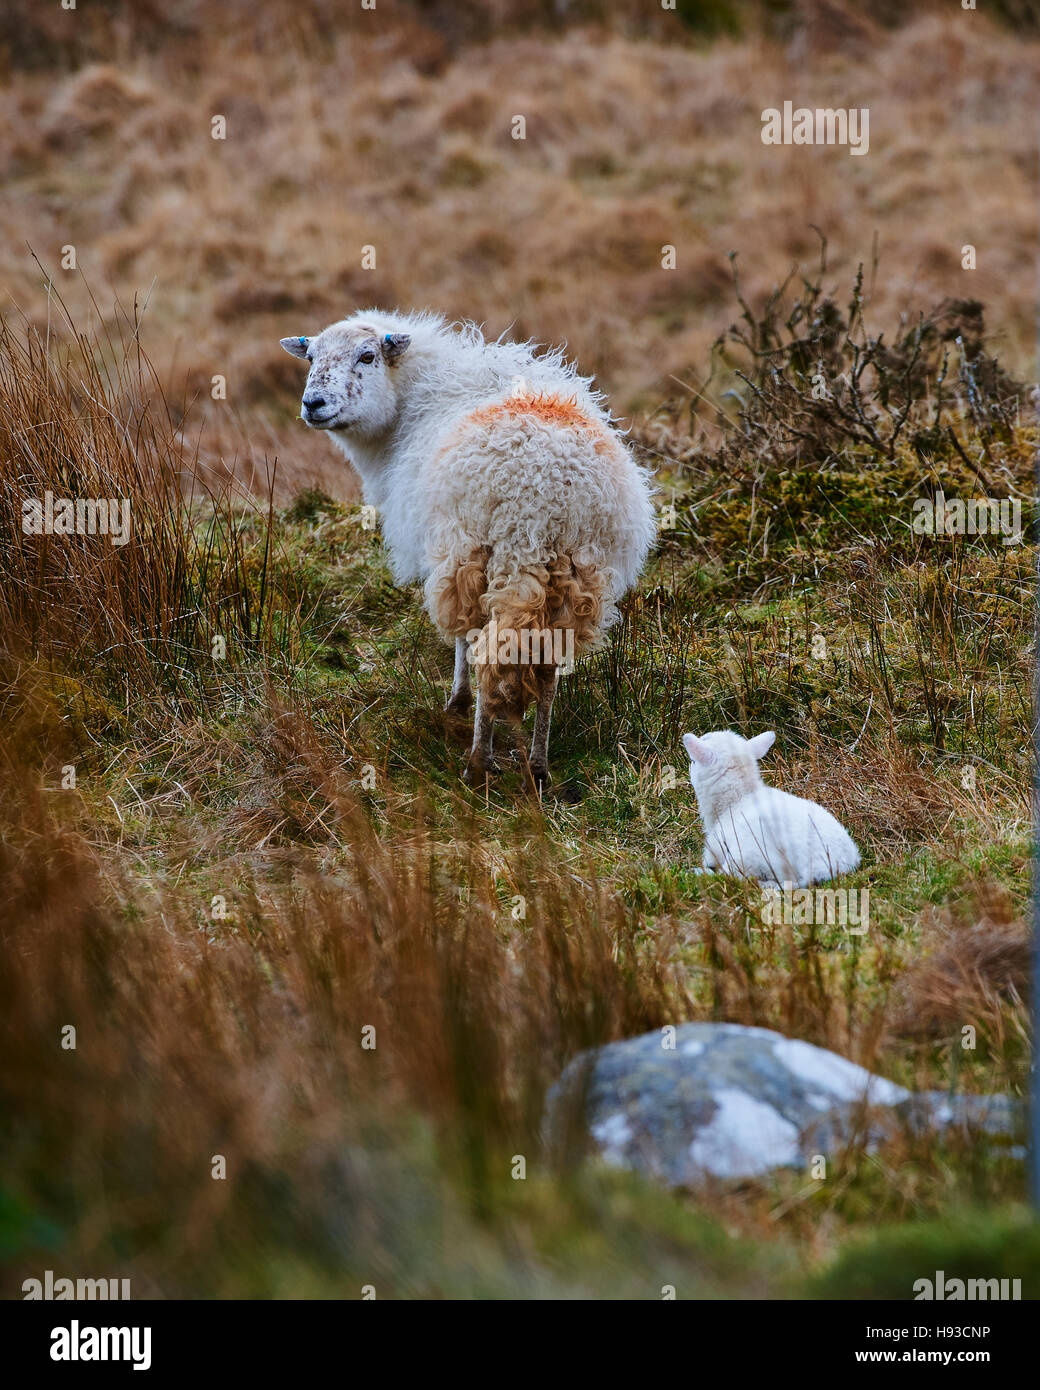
725,760
352,384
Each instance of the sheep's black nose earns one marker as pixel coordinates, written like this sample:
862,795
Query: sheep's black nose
313,402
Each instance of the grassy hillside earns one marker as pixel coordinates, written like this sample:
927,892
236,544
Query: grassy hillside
223,864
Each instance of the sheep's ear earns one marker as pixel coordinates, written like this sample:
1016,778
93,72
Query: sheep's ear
393,346
761,744
699,752
296,347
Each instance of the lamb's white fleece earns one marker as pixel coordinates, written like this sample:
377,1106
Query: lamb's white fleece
758,831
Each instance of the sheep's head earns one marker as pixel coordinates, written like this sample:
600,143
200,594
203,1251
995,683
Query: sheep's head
352,382
725,757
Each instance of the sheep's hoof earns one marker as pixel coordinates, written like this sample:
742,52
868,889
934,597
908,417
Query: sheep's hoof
478,769
540,775
459,704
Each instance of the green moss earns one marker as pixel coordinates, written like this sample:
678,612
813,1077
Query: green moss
993,1244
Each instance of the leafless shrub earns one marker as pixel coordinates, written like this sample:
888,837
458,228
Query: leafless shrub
818,383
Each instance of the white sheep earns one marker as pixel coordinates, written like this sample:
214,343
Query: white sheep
501,483
755,831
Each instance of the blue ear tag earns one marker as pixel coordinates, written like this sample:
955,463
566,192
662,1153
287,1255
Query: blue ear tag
387,338
302,341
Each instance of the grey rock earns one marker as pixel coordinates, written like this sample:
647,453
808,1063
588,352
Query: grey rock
732,1102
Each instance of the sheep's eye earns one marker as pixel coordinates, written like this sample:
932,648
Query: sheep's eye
367,357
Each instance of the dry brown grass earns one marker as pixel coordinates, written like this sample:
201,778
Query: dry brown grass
85,416
969,974
244,1036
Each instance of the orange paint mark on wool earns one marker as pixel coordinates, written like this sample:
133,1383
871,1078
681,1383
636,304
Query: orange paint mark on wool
547,410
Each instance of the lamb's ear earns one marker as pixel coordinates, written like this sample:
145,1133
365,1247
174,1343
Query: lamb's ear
393,346
699,752
296,347
761,744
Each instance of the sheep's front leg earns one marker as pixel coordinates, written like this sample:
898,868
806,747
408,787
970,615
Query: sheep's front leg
461,696
542,717
481,759
709,862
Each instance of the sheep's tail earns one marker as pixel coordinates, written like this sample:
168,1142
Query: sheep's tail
522,622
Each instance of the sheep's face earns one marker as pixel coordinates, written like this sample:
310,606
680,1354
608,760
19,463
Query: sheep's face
351,385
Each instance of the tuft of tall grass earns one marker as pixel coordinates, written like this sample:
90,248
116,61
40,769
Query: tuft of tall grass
176,611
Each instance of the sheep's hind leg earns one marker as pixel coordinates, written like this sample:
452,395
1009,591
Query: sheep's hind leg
461,696
481,760
547,677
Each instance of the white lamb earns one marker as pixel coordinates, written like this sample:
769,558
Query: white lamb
501,483
757,831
